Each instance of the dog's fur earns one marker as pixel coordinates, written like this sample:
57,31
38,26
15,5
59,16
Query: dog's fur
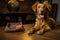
45,24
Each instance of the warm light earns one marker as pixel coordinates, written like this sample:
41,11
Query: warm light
26,37
12,1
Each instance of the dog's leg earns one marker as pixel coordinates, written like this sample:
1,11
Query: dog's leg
34,29
47,28
41,31
43,28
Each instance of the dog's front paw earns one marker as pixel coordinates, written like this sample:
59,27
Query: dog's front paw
30,32
40,32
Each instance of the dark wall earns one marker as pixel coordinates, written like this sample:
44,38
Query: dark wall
25,11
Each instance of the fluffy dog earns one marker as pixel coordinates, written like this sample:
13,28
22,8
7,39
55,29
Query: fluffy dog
43,21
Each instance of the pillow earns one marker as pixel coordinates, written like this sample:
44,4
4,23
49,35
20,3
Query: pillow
14,27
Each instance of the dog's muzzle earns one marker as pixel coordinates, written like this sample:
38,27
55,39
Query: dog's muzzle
42,15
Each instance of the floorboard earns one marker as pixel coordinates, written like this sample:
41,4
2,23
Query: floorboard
52,35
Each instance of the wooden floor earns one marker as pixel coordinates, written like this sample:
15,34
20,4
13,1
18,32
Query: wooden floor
52,35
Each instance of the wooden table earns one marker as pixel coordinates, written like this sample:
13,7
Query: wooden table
52,35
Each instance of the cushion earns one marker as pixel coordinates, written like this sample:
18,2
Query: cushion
14,27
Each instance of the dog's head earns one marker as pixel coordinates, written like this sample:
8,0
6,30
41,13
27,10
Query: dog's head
41,8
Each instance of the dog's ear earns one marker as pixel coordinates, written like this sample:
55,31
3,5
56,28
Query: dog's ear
34,6
48,5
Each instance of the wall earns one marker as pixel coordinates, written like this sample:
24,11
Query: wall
58,13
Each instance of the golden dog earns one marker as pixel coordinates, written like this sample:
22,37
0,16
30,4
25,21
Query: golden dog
43,21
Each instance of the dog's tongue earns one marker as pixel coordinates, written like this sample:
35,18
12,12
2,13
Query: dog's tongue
42,16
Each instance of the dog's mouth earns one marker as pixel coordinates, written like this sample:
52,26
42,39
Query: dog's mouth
42,15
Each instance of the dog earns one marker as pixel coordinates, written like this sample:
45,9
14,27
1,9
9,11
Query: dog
43,21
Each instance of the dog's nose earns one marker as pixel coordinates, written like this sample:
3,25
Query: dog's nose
42,12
